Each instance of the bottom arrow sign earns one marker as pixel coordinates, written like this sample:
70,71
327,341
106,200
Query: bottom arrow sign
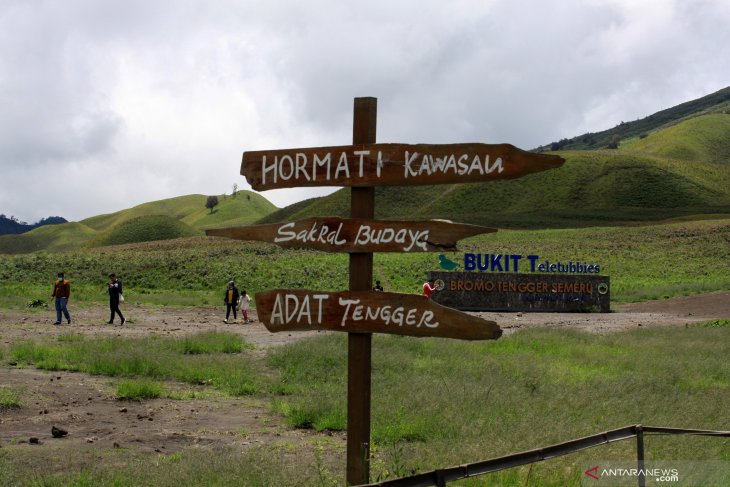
368,312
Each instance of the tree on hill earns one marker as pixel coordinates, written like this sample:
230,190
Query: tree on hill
211,203
613,143
235,189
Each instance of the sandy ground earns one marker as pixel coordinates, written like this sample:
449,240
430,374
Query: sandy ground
85,405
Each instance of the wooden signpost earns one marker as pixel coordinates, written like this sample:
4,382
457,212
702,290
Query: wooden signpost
333,234
368,312
359,311
390,165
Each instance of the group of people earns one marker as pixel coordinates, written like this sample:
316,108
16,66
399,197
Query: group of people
235,300
62,293
429,287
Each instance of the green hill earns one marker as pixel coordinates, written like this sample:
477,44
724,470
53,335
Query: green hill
678,171
718,102
144,229
142,223
65,236
705,138
244,208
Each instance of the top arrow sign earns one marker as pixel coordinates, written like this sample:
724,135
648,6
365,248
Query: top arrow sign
390,165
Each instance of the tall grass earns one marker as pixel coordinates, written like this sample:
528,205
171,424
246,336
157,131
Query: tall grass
447,402
644,262
212,358
435,403
9,398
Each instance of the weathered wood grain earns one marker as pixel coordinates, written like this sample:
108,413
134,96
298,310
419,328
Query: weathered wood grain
334,234
390,165
368,312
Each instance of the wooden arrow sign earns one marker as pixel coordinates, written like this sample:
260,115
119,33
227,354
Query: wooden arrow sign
368,312
390,164
333,234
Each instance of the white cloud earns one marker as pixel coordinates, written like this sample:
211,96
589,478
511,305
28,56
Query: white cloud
105,106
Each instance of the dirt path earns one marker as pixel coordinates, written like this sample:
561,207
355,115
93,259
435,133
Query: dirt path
86,407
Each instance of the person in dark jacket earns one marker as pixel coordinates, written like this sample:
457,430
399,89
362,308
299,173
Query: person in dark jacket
61,293
115,293
231,299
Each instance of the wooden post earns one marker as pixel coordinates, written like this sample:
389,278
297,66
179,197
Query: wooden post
359,344
640,454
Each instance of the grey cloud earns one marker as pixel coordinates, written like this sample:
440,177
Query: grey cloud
164,96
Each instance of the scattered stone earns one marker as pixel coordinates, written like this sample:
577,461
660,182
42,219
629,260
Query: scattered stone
122,410
90,440
58,432
34,441
116,445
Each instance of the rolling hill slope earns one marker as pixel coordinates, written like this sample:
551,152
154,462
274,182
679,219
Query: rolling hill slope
678,171
718,102
246,207
182,216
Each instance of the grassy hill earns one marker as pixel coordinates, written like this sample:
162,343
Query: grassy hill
245,207
699,139
60,237
675,172
144,229
718,102
182,216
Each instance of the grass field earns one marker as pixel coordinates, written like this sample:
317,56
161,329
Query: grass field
644,262
436,403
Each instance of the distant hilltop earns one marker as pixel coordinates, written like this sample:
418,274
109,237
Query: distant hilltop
13,226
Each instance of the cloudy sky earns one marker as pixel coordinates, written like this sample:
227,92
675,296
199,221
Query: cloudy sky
105,105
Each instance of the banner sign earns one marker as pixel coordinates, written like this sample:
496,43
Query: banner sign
470,291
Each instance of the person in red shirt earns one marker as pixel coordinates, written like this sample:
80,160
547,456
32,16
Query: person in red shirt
428,288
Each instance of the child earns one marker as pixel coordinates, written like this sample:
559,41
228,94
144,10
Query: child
244,302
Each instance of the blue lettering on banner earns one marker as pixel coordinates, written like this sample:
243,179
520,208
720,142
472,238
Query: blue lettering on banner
511,263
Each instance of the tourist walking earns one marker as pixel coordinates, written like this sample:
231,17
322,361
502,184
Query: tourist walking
244,302
231,300
115,296
61,293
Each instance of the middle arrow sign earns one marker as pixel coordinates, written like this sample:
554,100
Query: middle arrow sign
333,234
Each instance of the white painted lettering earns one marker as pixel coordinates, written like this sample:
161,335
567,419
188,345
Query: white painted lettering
286,158
362,154
342,166
284,234
409,160
265,169
302,165
321,162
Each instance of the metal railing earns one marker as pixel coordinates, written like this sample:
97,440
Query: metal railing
440,477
